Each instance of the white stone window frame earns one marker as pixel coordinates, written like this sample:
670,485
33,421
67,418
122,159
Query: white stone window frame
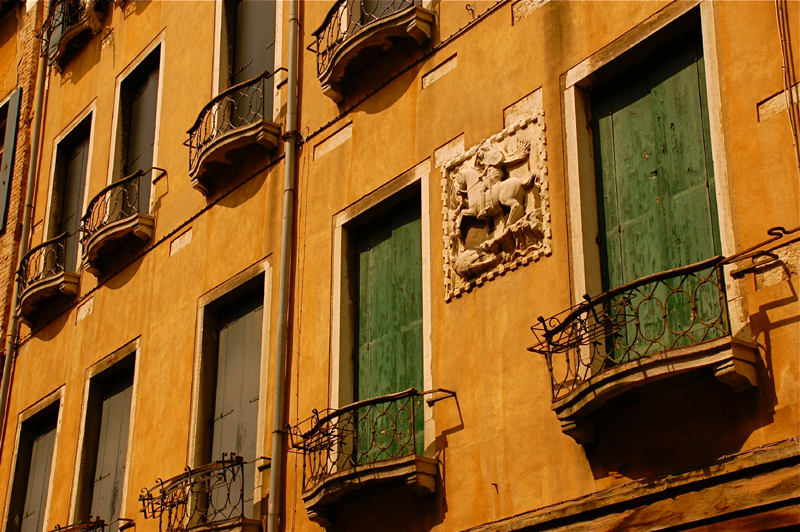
220,80
114,164
222,294
577,84
118,357
342,304
57,396
90,109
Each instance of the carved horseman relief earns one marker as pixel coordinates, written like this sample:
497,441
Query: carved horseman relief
496,206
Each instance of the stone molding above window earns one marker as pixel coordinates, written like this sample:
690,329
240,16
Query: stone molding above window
348,40
496,206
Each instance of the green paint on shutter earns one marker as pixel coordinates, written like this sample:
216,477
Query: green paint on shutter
32,519
254,41
653,164
112,448
235,422
9,150
389,314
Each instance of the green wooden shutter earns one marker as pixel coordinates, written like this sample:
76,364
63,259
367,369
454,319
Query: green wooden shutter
389,313
655,183
9,150
254,41
39,476
235,423
112,449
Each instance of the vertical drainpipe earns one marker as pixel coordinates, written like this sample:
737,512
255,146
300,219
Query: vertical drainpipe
279,401
11,337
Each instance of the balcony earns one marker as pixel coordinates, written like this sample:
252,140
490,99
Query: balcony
656,327
229,126
97,525
43,277
357,32
69,24
210,497
116,218
350,451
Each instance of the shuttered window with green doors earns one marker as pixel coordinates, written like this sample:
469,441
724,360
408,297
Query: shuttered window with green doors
655,181
112,447
253,46
389,327
235,422
9,120
32,475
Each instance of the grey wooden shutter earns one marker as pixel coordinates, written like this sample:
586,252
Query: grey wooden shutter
9,149
112,449
72,198
141,132
254,40
39,476
235,422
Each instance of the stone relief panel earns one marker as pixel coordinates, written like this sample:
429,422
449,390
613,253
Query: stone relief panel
496,206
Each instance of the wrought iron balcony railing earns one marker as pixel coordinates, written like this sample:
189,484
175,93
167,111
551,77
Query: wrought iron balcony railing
209,495
43,261
664,311
96,525
65,20
383,428
345,19
237,107
117,201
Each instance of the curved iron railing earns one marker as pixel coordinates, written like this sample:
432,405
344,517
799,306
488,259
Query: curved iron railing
43,261
97,525
383,428
115,202
663,311
211,494
667,310
63,15
236,107
345,19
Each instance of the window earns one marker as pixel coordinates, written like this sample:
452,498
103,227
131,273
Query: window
31,480
105,443
9,117
69,188
229,384
138,109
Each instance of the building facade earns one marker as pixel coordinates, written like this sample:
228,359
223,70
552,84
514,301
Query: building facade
400,265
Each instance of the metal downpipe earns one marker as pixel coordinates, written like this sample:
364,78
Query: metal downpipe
279,401
11,336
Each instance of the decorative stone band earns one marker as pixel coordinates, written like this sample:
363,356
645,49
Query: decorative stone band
496,206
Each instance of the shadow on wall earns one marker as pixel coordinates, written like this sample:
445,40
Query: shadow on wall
396,509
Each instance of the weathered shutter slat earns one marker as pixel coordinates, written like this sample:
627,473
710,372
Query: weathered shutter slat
9,151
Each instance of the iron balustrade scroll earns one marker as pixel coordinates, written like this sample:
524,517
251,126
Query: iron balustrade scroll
43,261
345,19
115,202
96,525
211,494
369,431
237,107
667,310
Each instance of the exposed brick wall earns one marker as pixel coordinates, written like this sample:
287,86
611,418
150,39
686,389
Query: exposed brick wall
9,241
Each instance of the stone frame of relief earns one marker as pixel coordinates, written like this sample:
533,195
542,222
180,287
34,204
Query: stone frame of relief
496,206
